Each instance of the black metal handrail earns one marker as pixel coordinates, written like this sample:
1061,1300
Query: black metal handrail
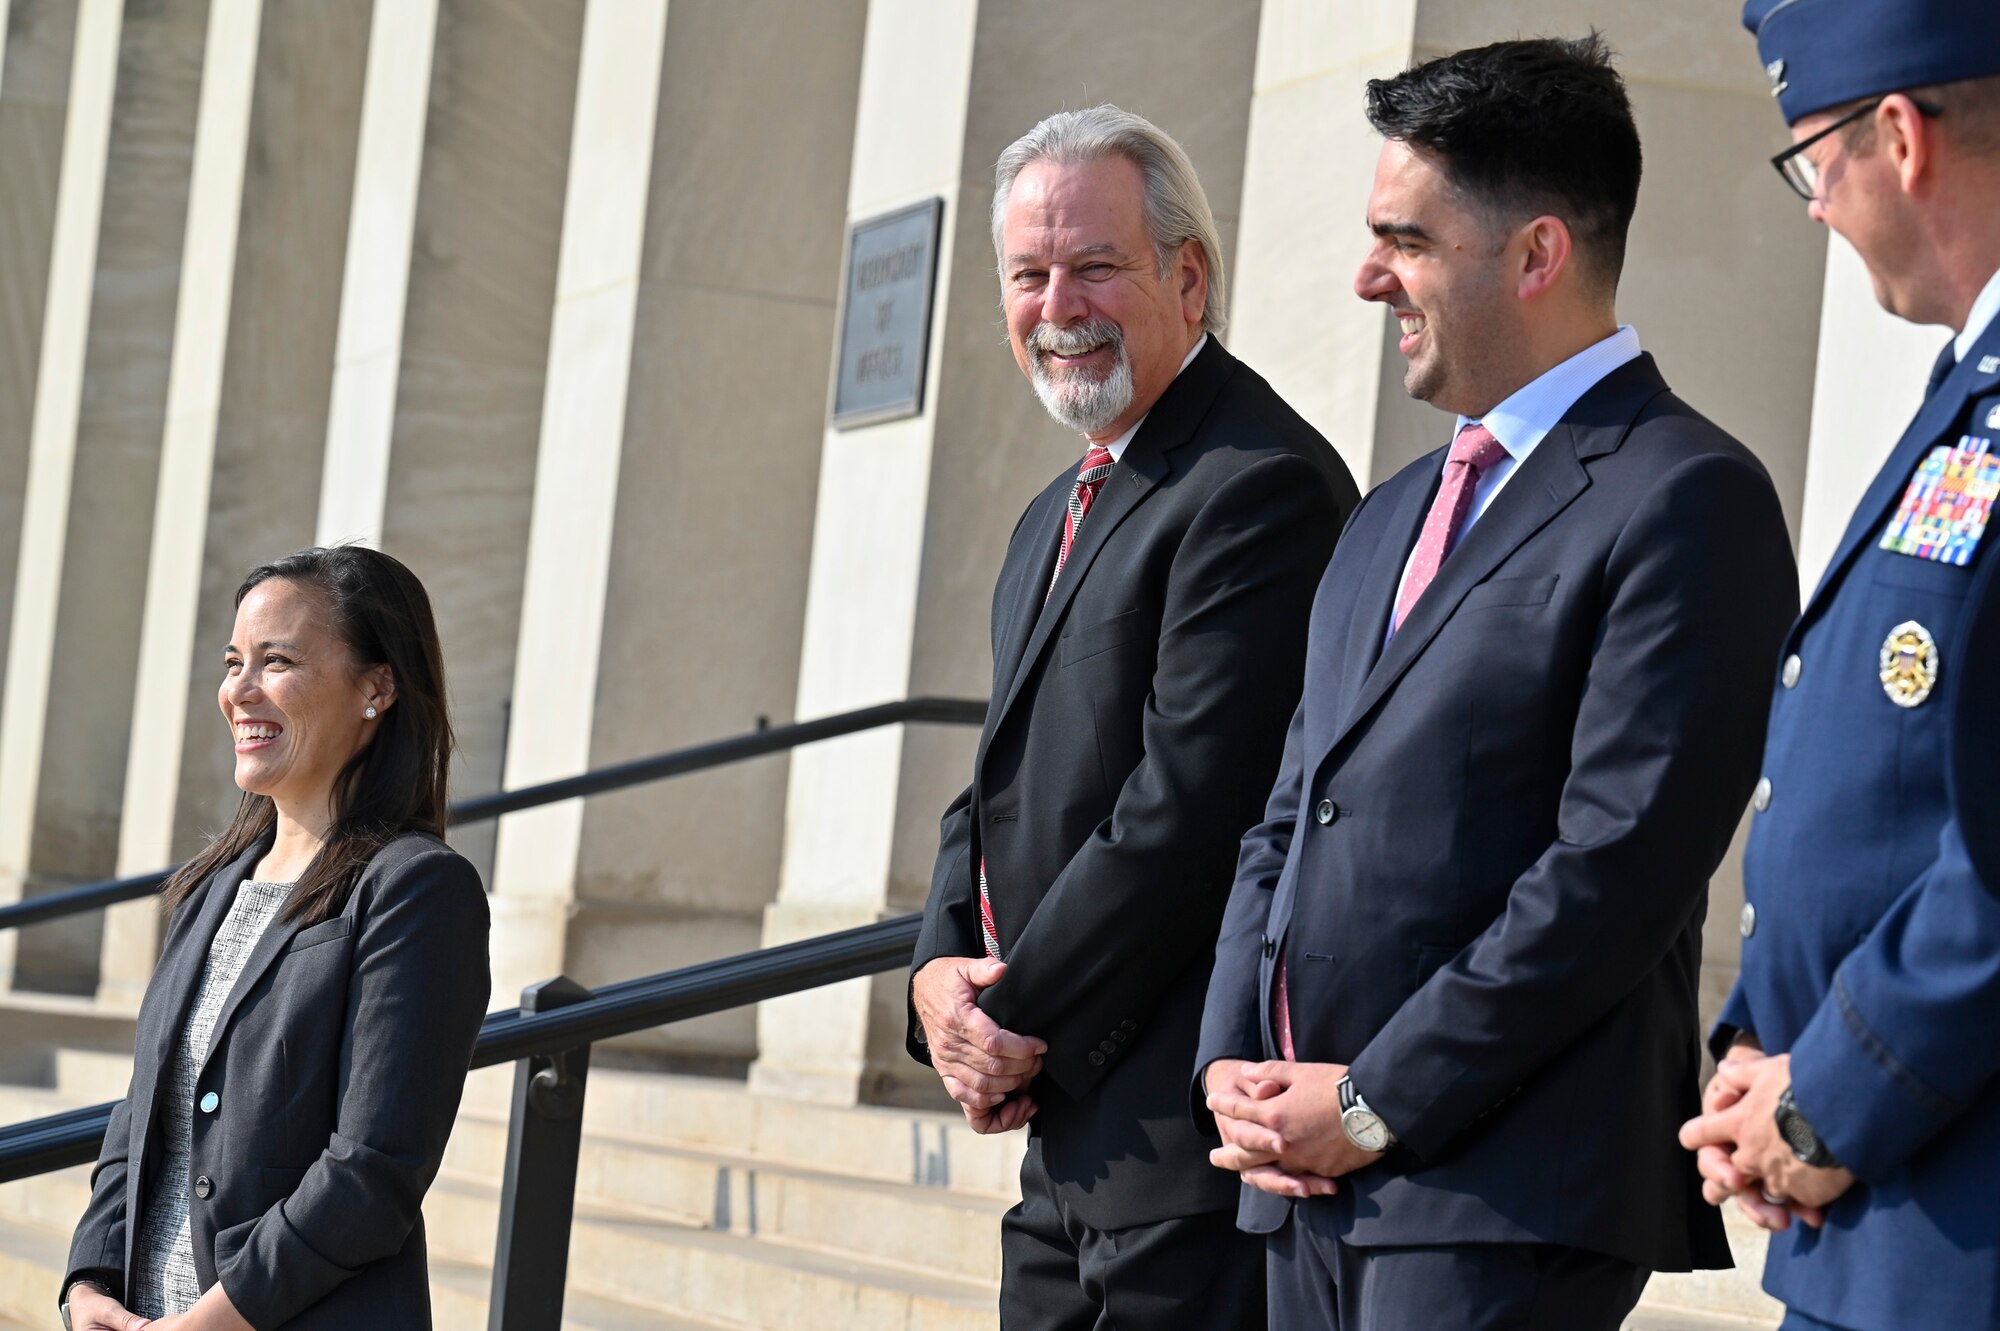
74,1136
678,762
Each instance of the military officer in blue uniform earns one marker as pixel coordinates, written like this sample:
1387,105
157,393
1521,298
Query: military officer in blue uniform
1856,1109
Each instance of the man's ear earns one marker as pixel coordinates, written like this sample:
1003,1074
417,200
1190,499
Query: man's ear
1191,279
1908,137
1547,254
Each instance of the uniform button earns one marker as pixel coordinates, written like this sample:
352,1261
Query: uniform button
1760,799
1096,1059
1790,675
202,1187
1325,812
1747,925
209,1102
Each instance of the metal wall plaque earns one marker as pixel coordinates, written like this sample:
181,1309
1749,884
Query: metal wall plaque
885,315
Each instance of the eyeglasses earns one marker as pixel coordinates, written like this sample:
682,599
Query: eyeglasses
1802,173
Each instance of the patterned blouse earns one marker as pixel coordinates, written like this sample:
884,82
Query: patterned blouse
163,1277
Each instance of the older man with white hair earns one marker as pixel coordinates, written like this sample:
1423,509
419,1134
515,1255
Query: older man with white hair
1149,629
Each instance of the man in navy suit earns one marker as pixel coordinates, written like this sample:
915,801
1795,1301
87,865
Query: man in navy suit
1858,1092
1451,1027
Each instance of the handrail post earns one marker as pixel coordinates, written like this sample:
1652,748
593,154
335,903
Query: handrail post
538,1195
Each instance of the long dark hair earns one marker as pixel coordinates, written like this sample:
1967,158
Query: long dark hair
398,782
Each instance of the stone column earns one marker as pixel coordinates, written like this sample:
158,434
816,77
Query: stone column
914,516
705,600
284,308
58,405
460,472
368,346
576,482
37,39
167,648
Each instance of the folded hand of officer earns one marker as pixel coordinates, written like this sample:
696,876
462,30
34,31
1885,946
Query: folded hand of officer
1740,1153
1280,1125
983,1066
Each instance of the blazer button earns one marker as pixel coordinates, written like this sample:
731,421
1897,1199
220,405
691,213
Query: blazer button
1747,925
1760,799
1790,675
1325,813
1128,1025
209,1102
1096,1058
202,1187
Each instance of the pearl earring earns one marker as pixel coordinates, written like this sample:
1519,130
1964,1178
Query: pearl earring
370,713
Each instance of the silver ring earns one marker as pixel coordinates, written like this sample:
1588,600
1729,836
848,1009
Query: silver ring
1774,1200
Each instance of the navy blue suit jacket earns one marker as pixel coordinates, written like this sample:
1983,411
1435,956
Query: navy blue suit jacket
1487,854
1875,955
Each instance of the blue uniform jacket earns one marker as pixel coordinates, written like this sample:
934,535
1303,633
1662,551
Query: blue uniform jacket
1872,948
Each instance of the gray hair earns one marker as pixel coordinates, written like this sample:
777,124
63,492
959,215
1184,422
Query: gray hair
1176,209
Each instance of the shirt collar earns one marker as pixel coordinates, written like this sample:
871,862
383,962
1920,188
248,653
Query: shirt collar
1116,448
1979,318
1526,417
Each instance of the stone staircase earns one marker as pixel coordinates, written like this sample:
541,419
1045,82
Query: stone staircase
701,1207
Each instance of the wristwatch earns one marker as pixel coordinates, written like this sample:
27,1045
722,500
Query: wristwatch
88,1284
1363,1126
1799,1135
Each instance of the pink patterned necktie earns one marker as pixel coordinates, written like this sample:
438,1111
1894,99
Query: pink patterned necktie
1472,454
1097,464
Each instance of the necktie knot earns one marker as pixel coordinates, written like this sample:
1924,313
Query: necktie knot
1477,448
1096,465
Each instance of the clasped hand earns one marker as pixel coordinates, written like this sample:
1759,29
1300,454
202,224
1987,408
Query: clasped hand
984,1068
1280,1125
1740,1154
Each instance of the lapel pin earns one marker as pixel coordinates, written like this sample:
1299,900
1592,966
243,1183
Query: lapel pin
1988,364
1776,71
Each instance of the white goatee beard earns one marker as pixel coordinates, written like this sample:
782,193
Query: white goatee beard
1081,403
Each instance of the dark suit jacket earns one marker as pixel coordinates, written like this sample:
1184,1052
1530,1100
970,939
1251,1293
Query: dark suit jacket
1136,720
1487,854
339,1058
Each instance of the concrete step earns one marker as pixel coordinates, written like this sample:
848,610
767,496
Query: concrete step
922,1228
1734,1293
459,1294
738,1281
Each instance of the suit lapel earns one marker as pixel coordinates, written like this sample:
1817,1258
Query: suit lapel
1168,425
178,986
1928,429
1384,575
1025,591
273,941
1543,486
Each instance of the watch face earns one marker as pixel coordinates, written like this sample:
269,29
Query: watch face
1365,1130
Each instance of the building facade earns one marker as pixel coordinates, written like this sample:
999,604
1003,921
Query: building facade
541,297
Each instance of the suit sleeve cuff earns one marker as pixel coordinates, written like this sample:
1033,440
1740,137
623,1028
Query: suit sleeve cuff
1866,1105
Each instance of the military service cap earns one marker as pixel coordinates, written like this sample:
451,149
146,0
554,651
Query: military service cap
1821,53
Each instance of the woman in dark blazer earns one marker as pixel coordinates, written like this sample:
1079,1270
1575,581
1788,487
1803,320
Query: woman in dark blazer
303,1045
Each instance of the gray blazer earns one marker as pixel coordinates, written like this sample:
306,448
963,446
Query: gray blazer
339,1059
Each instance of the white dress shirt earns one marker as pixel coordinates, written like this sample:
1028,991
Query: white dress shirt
1526,417
1978,317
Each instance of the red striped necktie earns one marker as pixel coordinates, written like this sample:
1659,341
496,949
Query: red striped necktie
1097,464
1472,454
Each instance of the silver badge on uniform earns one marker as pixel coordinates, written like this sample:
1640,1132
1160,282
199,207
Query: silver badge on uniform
1909,664
1776,71
1988,364
1993,418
